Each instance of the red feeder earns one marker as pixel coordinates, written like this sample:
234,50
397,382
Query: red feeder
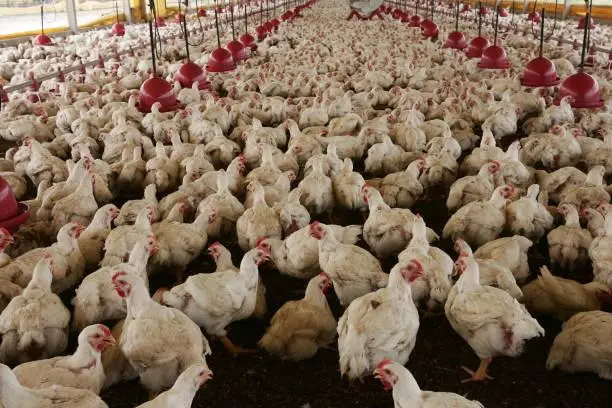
160,22
584,88
429,29
248,41
540,72
202,12
42,40
397,14
275,23
261,32
118,30
237,49
268,27
466,8
477,45
3,95
494,57
188,73
582,23
415,21
12,214
456,40
220,60
502,11
483,11
156,89
288,15
180,17
534,16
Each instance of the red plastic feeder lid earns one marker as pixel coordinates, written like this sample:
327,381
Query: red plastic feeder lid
483,11
202,12
429,28
397,14
539,72
42,40
502,11
160,22
494,57
584,88
180,17
456,40
156,89
415,21
22,216
261,32
288,15
477,45
237,49
248,41
268,26
118,30
534,16
275,23
220,60
582,22
190,72
8,204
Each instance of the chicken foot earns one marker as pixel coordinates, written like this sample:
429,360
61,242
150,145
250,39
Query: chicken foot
234,349
481,373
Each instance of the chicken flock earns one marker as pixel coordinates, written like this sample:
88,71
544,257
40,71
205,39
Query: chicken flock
309,157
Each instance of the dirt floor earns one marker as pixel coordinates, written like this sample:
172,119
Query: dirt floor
262,381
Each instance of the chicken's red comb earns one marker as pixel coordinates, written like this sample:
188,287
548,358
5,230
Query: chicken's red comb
118,275
214,245
417,263
315,224
105,330
384,363
5,232
260,240
324,275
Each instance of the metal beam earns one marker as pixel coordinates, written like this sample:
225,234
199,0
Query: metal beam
72,17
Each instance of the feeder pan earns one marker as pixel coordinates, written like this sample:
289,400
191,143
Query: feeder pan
160,22
502,12
483,11
156,89
584,88
540,72
534,16
494,57
202,12
238,50
429,29
42,40
190,72
288,15
456,40
220,60
268,27
397,14
261,32
477,45
415,21
180,17
466,8
12,213
248,41
582,23
275,23
591,58
118,30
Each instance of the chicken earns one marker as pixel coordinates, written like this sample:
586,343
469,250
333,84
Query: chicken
473,188
291,213
91,240
122,239
563,298
298,254
591,193
380,325
15,395
159,342
69,266
6,239
184,389
582,346
568,244
596,223
362,276
528,217
34,325
131,174
486,152
557,182
258,221
480,222
82,370
317,191
509,252
600,254
79,206
227,207
347,185
95,299
130,209
300,327
403,189
385,157
162,171
491,321
215,300
407,393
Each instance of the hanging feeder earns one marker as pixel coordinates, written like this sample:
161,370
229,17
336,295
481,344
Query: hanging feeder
220,60
12,213
415,20
533,15
117,29
541,71
478,44
494,57
189,72
503,12
202,12
261,29
456,39
581,86
429,29
42,39
156,89
582,21
275,21
247,39
236,48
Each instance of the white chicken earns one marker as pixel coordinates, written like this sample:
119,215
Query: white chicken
528,217
568,244
600,254
473,188
258,221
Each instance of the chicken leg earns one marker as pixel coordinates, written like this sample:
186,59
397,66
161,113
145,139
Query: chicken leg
481,373
234,349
